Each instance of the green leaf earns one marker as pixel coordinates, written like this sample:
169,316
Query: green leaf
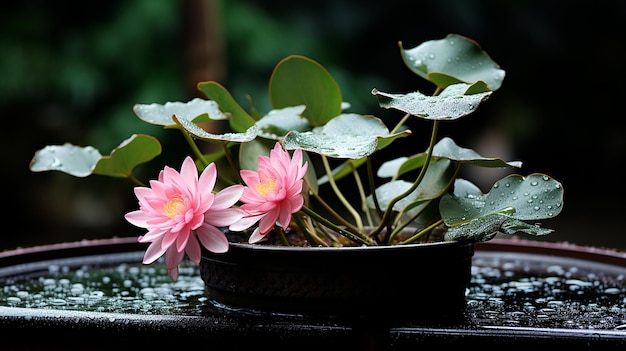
452,60
345,136
511,199
202,134
446,147
277,123
239,119
438,178
480,229
389,168
84,161
162,114
298,80
486,228
71,159
449,105
137,149
249,153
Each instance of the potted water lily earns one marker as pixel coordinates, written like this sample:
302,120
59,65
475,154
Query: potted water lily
267,214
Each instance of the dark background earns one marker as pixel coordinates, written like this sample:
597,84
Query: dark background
70,71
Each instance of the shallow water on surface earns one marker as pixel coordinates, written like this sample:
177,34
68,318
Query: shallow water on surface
515,290
124,288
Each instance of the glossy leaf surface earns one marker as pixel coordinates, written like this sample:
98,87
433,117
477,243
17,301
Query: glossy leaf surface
84,161
298,80
449,105
239,119
162,114
511,200
129,154
452,60
346,136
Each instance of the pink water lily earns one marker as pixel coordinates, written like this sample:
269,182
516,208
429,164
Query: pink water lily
273,192
181,211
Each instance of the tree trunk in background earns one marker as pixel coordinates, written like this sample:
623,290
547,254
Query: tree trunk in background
204,43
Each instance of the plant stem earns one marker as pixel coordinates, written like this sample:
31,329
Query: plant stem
359,185
422,232
281,235
333,213
389,210
348,206
231,162
195,149
308,232
342,231
370,178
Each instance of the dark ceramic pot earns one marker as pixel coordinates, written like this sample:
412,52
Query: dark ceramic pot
416,280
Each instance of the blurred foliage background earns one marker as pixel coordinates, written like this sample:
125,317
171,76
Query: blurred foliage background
70,71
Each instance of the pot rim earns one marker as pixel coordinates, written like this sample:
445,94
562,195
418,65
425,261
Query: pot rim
126,244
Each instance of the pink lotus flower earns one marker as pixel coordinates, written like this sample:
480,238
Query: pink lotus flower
180,211
273,193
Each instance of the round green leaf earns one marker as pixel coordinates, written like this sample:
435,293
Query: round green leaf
298,80
451,60
277,123
451,104
162,114
534,197
71,159
346,136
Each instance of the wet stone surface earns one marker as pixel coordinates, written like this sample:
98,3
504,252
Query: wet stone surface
519,290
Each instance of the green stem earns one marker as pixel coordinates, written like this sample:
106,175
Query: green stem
135,180
359,185
333,213
309,233
231,161
195,149
281,235
342,231
386,216
404,119
370,178
422,232
348,206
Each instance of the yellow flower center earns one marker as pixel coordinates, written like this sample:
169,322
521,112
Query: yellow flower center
171,208
268,185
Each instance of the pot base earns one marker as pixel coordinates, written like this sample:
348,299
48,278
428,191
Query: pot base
412,281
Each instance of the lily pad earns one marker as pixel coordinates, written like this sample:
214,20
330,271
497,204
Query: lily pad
446,106
277,123
137,149
452,60
202,134
298,80
84,161
511,201
345,136
162,114
72,159
446,147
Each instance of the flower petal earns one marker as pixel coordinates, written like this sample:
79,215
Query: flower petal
212,238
